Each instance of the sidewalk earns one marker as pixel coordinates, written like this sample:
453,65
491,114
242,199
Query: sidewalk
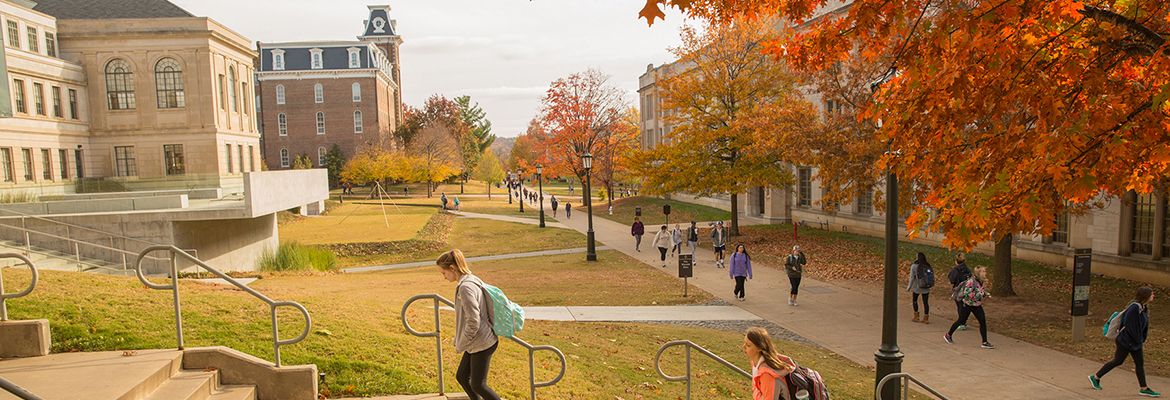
417,264
849,323
638,314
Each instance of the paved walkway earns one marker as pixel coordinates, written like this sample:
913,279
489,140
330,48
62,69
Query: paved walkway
849,323
639,314
472,259
507,218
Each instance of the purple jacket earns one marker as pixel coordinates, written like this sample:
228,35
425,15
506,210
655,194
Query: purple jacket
741,265
638,229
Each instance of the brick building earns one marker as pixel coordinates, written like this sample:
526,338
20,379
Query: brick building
315,94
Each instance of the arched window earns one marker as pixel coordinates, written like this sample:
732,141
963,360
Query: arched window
357,92
282,124
321,156
357,122
320,123
232,87
119,85
318,93
168,83
284,157
279,94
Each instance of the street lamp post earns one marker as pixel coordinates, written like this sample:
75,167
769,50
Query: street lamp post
540,191
508,184
520,185
889,357
590,244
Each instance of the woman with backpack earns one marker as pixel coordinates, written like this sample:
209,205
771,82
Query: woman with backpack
1135,325
769,368
676,240
474,336
921,281
741,270
794,267
972,292
959,274
662,242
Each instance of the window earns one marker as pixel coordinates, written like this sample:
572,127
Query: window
865,202
278,60
240,153
282,124
33,40
318,93
320,123
173,157
244,97
168,83
1060,233
321,156
6,158
251,158
39,98
284,157
77,162
317,62
833,107
73,104
279,94
63,162
357,122
13,34
119,85
124,163
357,92
18,95
57,102
46,164
355,60
51,44
804,189
27,163
222,93
1143,224
227,153
232,87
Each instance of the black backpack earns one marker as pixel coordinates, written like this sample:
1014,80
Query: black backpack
694,235
925,276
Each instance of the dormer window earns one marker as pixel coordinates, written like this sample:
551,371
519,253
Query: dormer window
317,58
278,60
355,60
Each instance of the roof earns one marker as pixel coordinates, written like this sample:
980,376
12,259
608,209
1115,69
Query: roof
110,9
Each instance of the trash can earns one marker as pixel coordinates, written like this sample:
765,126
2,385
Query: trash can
638,211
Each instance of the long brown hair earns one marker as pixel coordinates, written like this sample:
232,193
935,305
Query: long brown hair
1143,295
759,337
453,260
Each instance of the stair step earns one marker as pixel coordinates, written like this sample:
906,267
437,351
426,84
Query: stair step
97,375
187,385
234,392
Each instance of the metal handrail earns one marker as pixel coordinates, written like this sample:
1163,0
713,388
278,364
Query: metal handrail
16,390
80,263
114,235
437,334
32,284
687,378
905,378
28,246
174,287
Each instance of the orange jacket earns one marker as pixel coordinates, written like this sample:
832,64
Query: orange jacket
767,381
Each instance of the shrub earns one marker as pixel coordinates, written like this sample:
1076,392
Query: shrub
290,256
17,197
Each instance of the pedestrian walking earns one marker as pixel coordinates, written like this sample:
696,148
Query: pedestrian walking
443,199
1135,326
554,203
921,281
474,336
456,203
769,368
662,242
568,210
637,230
676,240
719,242
741,270
972,292
692,237
794,267
959,274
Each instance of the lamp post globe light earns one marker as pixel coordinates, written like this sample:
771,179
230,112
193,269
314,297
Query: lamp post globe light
590,244
540,191
520,186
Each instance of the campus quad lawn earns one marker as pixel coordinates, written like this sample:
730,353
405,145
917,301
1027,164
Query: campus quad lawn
420,189
680,212
497,205
1038,315
352,222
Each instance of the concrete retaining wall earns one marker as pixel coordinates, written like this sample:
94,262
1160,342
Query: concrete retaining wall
271,191
100,205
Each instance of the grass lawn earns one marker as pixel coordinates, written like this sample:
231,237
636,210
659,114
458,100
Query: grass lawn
471,187
680,212
353,222
497,205
1039,314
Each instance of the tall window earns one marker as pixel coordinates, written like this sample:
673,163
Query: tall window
357,122
357,92
6,158
804,189
51,44
124,162
63,162
57,102
244,97
176,164
33,40
282,124
168,83
222,93
39,98
316,59
278,60
284,157
13,34
318,93
279,94
18,95
1060,233
865,202
227,153
1143,224
73,104
321,156
240,153
251,158
46,164
26,161
232,87
320,123
79,164
119,85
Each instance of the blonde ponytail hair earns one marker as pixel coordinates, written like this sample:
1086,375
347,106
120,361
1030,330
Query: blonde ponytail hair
453,260
759,337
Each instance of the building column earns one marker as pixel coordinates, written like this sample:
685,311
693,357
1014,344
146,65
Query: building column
1125,225
1159,225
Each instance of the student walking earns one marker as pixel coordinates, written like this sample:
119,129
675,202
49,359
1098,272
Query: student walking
794,267
676,240
921,281
568,210
972,292
769,368
474,336
662,242
741,270
959,274
456,203
443,199
1135,326
554,204
719,242
637,230
692,238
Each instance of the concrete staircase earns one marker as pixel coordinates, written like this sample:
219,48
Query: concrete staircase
53,260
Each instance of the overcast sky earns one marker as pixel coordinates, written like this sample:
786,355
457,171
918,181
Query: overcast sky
504,53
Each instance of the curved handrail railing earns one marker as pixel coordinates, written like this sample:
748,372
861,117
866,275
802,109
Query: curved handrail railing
437,334
32,284
16,390
905,378
174,287
687,378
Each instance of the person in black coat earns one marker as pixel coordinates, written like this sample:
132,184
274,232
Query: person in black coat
959,274
1135,325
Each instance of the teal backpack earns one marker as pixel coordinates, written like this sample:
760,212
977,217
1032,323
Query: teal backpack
1112,327
507,317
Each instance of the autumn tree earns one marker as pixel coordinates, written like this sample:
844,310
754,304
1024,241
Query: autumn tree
478,138
302,161
524,150
334,163
614,151
413,121
490,170
376,165
434,157
579,113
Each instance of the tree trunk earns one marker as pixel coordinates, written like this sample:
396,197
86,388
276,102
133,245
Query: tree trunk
734,215
1002,281
489,186
609,189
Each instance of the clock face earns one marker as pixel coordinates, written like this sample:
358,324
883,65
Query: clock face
379,25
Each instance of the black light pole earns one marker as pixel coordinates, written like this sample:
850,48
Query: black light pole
540,193
508,184
590,244
520,184
889,356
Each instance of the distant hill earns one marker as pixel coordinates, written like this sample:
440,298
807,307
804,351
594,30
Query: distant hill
503,147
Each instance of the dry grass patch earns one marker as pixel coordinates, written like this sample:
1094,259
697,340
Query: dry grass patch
680,212
358,222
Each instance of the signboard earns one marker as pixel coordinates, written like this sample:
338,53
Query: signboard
638,211
666,209
1082,274
686,265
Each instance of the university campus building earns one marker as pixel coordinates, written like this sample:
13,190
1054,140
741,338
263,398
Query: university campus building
316,94
1129,237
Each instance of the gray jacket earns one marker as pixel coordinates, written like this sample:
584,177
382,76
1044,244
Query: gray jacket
718,237
915,286
473,317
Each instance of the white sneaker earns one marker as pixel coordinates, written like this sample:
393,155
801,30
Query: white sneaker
789,301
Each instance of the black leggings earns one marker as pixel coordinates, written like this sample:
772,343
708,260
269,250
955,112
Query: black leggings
965,313
739,287
795,282
1119,358
925,302
662,250
473,372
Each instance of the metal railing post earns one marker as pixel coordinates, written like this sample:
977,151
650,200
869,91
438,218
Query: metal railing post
77,255
31,285
905,380
17,391
275,336
175,290
439,346
532,374
688,345
688,372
